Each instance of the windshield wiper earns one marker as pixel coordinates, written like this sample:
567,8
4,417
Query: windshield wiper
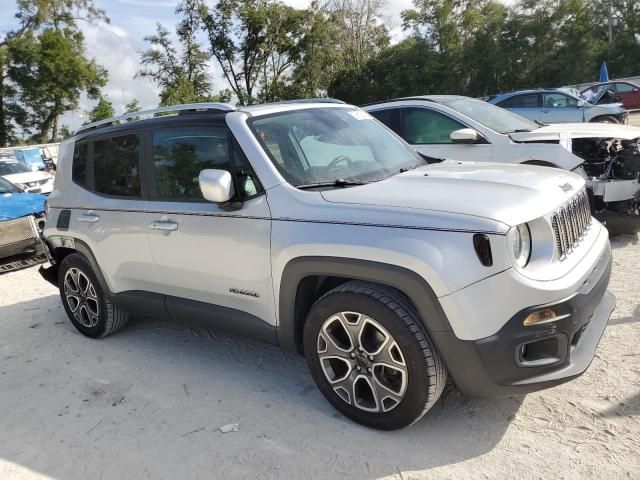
338,182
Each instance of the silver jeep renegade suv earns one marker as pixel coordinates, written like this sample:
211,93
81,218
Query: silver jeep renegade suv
312,226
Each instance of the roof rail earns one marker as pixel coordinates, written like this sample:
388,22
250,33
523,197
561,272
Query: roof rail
312,100
130,117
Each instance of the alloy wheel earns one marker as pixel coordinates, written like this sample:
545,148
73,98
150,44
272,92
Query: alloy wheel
362,362
81,298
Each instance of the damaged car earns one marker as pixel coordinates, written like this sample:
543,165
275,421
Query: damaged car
460,128
22,217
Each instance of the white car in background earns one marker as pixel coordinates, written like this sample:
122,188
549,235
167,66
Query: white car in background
465,129
25,178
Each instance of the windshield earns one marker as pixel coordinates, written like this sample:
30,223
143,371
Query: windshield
7,187
496,118
9,168
331,146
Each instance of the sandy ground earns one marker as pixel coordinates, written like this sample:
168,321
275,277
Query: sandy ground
148,402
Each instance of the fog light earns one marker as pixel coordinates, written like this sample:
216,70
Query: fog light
543,316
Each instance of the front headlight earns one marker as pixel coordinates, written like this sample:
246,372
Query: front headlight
21,186
519,241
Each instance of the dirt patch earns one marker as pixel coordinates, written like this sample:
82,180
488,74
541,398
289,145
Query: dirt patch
149,402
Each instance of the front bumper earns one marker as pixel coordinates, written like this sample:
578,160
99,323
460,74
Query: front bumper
519,359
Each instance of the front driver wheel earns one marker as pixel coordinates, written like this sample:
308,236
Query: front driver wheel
371,357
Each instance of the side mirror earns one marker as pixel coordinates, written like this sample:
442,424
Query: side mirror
464,135
581,103
216,185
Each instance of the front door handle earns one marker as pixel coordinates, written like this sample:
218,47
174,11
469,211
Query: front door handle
164,226
88,218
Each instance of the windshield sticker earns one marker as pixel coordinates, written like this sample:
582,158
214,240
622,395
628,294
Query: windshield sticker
359,114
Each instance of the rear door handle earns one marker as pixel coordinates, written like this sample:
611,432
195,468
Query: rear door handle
88,218
164,226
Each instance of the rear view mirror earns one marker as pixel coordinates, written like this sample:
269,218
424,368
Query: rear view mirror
464,135
216,185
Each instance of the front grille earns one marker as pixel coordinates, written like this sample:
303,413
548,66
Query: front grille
570,223
16,235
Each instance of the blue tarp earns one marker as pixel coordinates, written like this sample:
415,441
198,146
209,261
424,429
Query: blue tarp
604,74
31,157
15,205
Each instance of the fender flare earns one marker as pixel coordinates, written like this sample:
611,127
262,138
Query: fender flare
82,248
406,281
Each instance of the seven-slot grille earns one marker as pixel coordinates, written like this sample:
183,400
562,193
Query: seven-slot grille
571,222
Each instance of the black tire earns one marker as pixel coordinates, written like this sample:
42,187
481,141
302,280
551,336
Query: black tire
110,318
605,119
426,373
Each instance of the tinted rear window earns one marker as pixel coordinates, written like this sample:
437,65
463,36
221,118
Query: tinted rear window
116,164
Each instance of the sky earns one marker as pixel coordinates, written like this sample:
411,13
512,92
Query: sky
117,46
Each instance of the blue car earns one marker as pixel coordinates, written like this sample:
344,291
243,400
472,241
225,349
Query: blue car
21,221
557,106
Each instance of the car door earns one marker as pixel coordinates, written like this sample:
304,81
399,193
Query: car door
110,209
629,94
525,104
560,108
208,254
429,132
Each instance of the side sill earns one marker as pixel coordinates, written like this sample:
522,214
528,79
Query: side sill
196,314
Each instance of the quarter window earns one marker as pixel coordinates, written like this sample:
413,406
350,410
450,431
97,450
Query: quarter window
79,167
179,154
423,126
116,163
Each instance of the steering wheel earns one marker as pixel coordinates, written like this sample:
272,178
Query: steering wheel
339,159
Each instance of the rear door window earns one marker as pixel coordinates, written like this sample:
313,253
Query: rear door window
530,100
116,163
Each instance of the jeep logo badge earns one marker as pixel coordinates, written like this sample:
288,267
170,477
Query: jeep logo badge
567,187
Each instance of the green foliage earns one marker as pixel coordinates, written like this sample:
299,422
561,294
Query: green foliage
479,47
132,106
52,71
102,111
180,72
43,68
64,133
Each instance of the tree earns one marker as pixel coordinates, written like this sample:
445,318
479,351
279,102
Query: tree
360,30
102,111
132,106
180,72
52,72
45,46
64,133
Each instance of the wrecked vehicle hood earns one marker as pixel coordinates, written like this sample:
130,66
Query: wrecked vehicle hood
558,131
510,194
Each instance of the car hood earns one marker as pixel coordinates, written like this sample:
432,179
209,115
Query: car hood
14,205
510,194
27,177
578,130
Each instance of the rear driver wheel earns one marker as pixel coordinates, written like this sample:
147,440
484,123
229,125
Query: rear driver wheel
86,304
370,356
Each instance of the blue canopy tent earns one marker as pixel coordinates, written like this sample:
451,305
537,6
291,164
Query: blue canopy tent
604,74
